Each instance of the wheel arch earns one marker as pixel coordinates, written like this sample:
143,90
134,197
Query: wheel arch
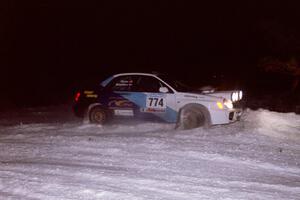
90,107
198,106
93,105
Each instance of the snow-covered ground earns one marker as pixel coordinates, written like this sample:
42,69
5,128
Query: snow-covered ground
48,154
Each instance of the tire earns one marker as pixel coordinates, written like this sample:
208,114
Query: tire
193,117
98,115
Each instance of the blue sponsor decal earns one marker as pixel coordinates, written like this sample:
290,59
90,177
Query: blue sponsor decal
140,100
171,115
119,102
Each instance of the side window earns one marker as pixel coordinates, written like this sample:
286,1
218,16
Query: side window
123,83
148,84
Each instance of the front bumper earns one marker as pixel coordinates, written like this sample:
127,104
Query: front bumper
226,116
235,115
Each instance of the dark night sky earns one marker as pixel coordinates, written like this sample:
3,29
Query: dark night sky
52,46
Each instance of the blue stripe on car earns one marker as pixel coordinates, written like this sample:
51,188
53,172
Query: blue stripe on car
139,99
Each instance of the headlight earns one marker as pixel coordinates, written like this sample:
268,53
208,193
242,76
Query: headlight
240,94
234,96
228,103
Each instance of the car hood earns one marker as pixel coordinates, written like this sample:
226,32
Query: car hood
227,94
223,94
212,95
198,96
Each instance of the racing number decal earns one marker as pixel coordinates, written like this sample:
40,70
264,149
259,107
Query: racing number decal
156,104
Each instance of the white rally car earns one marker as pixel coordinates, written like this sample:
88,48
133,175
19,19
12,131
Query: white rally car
151,96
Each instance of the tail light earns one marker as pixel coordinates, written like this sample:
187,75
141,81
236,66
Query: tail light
77,96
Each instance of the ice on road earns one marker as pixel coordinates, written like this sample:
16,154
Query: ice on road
49,155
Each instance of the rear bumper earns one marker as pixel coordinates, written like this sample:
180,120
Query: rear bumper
79,110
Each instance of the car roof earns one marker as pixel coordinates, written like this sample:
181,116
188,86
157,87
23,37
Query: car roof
134,73
105,82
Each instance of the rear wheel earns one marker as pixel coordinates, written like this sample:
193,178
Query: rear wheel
98,115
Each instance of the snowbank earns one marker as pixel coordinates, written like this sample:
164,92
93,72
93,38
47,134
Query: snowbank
60,157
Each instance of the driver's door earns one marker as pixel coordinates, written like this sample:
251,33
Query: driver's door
157,104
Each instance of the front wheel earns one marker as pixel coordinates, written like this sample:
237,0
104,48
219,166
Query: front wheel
98,115
192,117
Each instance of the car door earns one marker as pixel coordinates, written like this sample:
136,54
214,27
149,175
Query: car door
155,103
140,96
118,94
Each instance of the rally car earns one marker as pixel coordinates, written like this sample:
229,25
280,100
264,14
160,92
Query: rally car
151,96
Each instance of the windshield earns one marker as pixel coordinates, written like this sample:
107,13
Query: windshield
178,85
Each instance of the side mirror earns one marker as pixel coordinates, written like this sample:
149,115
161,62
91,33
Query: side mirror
163,90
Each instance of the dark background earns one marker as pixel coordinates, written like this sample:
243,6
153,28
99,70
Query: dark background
50,48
